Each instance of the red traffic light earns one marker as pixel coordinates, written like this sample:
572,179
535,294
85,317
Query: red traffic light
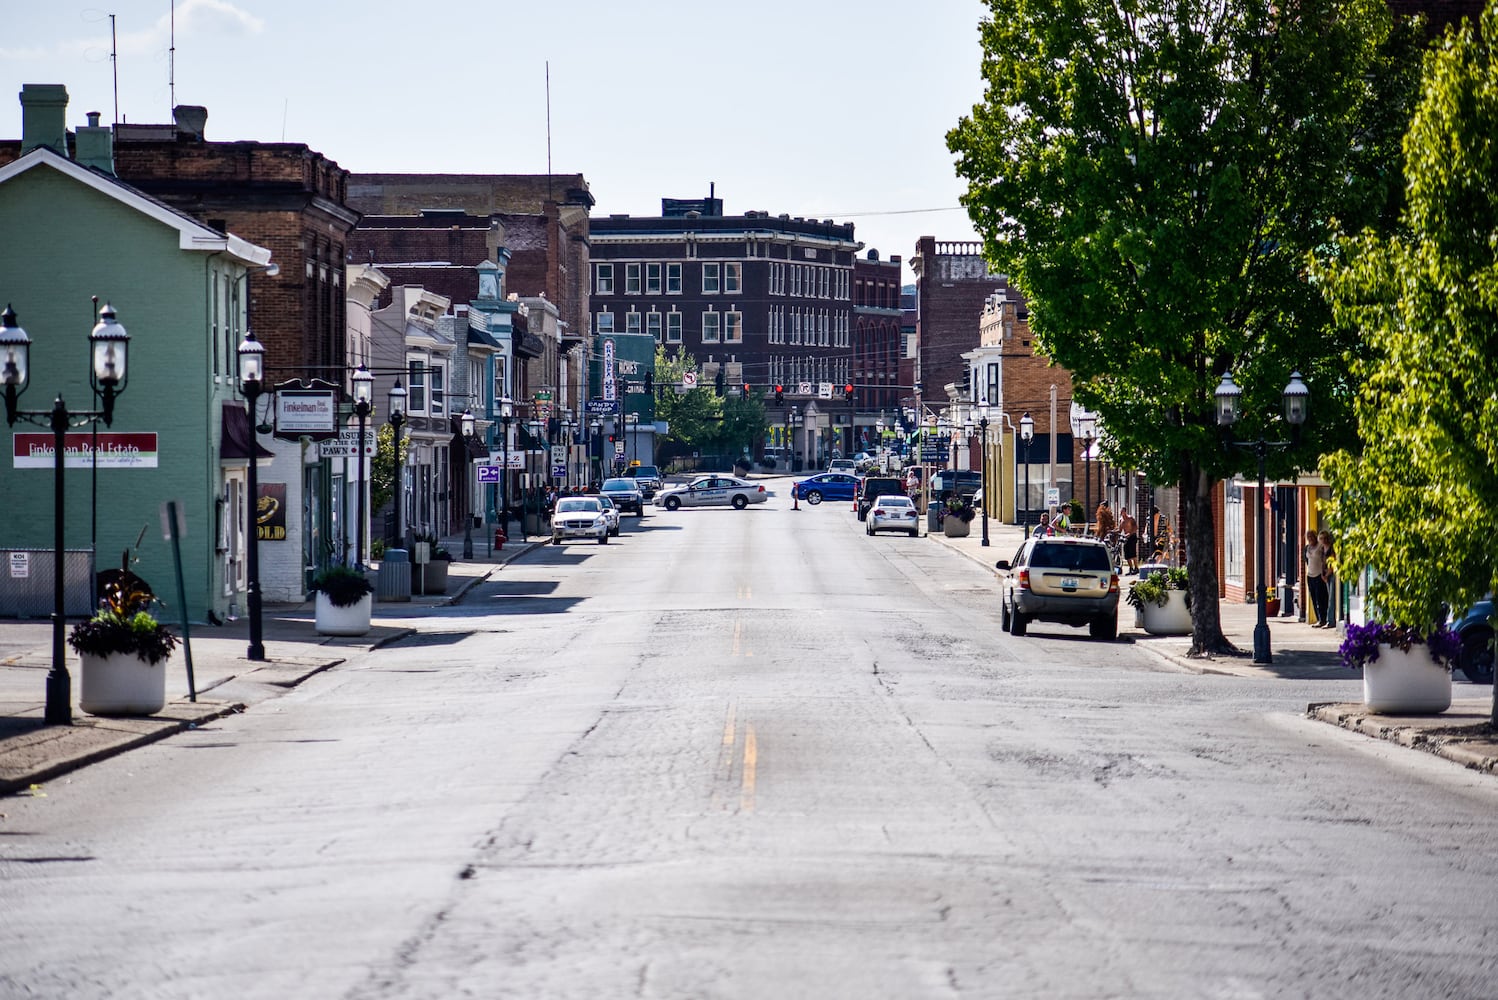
848,391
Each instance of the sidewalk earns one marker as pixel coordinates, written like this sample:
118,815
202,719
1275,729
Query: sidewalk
226,682
1462,733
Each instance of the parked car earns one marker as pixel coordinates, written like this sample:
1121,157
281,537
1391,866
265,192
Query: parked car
893,513
626,495
1475,630
872,487
962,482
579,517
1069,581
827,486
610,511
647,477
712,490
844,465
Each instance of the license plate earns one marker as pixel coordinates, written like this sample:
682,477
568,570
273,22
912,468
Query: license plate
1068,583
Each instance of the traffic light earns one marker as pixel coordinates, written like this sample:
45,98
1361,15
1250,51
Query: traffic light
848,392
780,394
748,390
649,382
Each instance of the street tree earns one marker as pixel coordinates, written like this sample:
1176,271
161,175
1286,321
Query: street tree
1417,498
693,416
1156,177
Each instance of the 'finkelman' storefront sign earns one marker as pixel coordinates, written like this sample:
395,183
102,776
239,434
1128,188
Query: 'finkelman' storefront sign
132,450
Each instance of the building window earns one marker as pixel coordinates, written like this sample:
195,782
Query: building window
652,279
500,389
653,325
438,376
733,327
631,279
994,395
673,279
709,279
795,279
605,323
710,327
632,322
605,279
673,328
416,386
732,277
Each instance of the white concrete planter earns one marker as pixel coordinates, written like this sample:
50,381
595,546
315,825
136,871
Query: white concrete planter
121,684
434,576
1406,683
1173,619
350,620
956,527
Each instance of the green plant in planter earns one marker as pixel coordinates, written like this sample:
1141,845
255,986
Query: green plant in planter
342,585
1155,589
123,624
961,509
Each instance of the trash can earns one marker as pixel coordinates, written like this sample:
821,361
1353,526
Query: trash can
933,517
394,581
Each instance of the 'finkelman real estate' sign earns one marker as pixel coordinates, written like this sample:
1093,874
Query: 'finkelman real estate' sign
130,450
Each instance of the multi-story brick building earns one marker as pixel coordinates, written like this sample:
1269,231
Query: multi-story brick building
877,342
952,282
770,298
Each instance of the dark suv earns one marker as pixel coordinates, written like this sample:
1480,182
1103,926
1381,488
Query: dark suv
647,478
962,482
875,486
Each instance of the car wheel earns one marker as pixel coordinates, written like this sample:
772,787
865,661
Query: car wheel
1003,614
672,503
915,532
1017,622
1476,658
556,541
603,539
814,497
740,502
1103,627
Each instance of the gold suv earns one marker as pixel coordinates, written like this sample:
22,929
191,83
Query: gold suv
1069,581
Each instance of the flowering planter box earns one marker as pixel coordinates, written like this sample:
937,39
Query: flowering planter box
1404,682
956,527
1172,619
352,619
121,684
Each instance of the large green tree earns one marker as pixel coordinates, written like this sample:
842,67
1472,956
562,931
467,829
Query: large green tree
700,419
1417,500
1156,176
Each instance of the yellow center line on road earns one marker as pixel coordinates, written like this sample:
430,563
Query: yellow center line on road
751,760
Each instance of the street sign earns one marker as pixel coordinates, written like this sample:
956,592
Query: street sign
603,407
824,390
488,473
558,454
1053,496
618,447
804,388
559,472
933,453
689,380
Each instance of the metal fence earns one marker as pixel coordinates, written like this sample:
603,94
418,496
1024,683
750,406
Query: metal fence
26,582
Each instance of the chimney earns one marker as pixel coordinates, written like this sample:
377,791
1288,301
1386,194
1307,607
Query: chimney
191,120
44,108
93,145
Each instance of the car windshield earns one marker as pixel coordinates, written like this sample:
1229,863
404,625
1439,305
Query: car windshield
1052,555
618,484
647,470
578,505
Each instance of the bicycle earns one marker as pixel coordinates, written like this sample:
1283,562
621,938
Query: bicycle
1113,540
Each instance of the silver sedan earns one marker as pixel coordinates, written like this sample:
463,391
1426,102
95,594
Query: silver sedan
712,491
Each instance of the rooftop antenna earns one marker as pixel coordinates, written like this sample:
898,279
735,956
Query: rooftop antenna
548,130
171,60
114,65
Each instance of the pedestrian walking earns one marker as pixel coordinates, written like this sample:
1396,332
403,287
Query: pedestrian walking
1313,557
1329,558
1129,529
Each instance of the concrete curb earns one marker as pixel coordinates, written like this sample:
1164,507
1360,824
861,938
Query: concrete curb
51,751
1467,744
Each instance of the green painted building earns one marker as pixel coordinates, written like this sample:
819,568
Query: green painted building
72,232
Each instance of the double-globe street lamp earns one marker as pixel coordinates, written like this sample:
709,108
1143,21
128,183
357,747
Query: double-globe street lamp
109,347
397,416
252,383
1026,435
466,426
363,407
1296,398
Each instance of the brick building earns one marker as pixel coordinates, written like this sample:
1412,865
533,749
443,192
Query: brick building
770,299
877,343
952,283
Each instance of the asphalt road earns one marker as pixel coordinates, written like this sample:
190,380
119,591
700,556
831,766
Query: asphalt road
756,754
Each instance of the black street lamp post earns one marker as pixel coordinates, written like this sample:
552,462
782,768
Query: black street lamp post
363,407
506,414
466,425
1296,397
252,383
1026,435
987,487
397,417
107,375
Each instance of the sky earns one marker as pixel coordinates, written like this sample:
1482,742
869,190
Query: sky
827,109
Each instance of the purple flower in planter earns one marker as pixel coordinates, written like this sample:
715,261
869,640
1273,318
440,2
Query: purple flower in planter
1361,645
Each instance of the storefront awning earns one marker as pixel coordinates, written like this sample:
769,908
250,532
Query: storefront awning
235,437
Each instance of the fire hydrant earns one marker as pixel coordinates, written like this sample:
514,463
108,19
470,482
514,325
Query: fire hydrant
499,538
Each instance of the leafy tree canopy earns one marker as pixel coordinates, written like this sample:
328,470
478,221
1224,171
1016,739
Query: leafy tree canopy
1418,500
701,419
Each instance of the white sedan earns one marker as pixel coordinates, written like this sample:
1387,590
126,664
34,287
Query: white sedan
892,513
712,491
579,517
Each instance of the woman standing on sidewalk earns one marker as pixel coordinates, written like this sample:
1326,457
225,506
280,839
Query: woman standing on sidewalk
1314,558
